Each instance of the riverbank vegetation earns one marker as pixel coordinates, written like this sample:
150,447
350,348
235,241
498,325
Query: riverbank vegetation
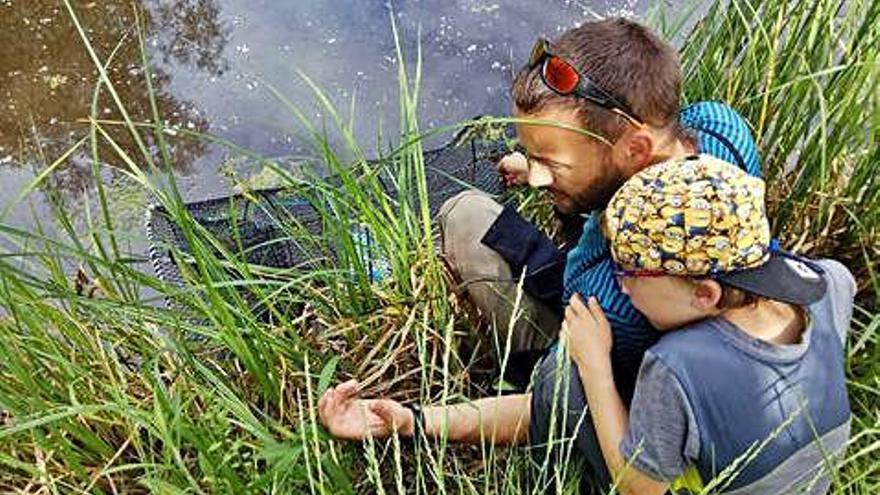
106,389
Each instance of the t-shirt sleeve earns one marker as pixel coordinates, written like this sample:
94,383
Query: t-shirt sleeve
662,440
838,302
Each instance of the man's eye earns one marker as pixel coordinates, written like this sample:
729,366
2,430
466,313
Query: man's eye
546,163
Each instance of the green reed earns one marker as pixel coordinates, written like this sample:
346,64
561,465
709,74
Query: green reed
118,394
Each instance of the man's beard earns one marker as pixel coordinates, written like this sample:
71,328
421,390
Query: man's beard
596,197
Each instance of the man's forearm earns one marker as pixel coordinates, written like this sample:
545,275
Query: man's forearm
497,420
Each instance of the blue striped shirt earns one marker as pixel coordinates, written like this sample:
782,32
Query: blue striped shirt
721,132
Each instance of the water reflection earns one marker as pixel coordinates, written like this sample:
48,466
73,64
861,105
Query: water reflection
48,79
212,58
192,33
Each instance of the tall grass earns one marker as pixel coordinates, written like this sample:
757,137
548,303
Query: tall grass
118,394
805,75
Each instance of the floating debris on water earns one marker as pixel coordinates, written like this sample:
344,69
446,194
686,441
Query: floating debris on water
485,9
56,80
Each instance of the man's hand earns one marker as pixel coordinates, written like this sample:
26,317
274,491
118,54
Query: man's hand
587,333
514,169
350,418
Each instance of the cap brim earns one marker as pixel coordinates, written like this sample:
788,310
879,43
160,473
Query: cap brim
782,278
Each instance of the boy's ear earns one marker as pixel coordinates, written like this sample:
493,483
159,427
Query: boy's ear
706,295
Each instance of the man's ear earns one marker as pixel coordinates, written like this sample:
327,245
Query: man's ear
636,151
706,295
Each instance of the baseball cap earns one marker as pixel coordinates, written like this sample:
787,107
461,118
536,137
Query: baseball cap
701,216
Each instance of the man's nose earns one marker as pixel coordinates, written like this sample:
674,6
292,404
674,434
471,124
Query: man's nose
539,175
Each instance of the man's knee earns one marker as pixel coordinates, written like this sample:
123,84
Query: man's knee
552,418
559,410
556,381
463,220
467,199
468,212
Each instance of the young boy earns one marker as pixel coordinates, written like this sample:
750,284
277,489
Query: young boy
751,380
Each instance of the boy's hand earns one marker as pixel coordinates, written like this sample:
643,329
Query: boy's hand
587,333
514,169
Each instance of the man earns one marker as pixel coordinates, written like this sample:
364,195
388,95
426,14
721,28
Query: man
620,82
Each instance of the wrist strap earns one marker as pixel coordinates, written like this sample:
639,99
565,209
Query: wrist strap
418,419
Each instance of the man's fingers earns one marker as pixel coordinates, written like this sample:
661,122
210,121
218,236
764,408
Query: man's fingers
347,390
515,159
381,409
514,168
330,402
336,397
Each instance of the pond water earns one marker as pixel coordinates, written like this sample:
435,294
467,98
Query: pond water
211,60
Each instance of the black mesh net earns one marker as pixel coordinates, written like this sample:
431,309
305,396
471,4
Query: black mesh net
257,225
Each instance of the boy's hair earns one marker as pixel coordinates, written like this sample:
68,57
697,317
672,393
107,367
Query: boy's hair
733,298
623,58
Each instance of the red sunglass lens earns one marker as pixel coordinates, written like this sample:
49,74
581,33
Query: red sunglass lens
560,76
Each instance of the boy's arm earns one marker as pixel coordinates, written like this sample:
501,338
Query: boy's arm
611,421
588,339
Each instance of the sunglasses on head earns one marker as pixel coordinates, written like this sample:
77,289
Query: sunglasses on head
565,80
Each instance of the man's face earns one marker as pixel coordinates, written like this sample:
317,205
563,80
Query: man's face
576,169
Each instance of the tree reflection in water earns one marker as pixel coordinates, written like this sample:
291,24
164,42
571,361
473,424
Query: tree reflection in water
47,78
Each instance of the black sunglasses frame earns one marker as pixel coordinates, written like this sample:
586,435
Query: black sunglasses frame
585,87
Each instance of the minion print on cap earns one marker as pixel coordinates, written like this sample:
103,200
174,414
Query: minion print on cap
706,217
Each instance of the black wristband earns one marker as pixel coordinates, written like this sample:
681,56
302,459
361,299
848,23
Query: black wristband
418,419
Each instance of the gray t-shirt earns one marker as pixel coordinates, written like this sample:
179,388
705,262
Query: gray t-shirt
663,439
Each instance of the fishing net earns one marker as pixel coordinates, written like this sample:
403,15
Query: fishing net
257,225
